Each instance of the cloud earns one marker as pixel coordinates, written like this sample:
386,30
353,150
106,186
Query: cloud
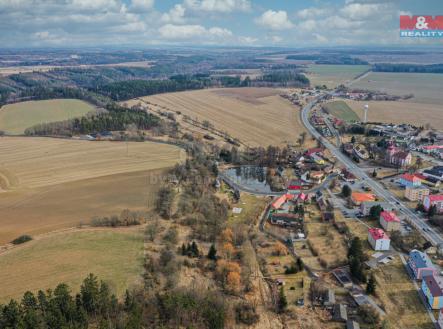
308,25
175,15
140,4
358,11
95,4
311,12
223,6
187,32
275,20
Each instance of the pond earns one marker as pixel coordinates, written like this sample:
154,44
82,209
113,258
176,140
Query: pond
249,177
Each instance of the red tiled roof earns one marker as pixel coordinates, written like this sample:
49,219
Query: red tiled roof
435,197
378,233
389,216
361,197
314,150
409,177
281,200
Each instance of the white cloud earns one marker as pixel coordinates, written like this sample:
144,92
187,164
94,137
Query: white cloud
223,6
275,20
358,11
308,25
186,32
95,4
175,15
247,40
142,4
311,12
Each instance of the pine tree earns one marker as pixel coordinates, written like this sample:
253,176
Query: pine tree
370,288
212,254
282,301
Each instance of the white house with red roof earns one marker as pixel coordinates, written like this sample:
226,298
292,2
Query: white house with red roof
408,180
431,200
378,239
389,221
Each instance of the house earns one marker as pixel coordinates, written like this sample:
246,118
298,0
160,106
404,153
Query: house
420,264
280,201
434,173
343,276
427,180
416,193
317,176
329,299
352,325
434,200
408,180
365,207
389,221
285,219
378,239
347,176
340,313
359,197
295,185
397,157
312,151
432,288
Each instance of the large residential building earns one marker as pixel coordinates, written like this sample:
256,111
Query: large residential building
389,221
420,264
434,200
280,201
408,180
432,288
365,207
397,157
416,193
359,197
378,239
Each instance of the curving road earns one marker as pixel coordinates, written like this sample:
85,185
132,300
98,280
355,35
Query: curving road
418,222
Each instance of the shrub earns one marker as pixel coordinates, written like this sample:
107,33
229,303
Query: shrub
22,239
246,313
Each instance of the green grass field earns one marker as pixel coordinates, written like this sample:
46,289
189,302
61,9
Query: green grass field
333,75
426,87
15,118
115,256
341,110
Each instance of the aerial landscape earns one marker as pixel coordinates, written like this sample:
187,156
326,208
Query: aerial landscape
221,164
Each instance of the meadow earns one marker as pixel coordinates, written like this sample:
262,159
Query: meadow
49,184
341,110
115,256
427,88
418,114
15,118
257,116
333,75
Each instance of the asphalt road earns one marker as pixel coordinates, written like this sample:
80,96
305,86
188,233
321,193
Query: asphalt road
418,222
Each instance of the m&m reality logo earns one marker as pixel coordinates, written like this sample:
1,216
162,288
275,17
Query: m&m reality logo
421,26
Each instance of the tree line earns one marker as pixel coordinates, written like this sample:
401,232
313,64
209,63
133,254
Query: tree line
97,307
115,118
409,68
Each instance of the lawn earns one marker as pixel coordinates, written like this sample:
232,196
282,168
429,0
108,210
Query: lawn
115,256
15,118
341,110
333,75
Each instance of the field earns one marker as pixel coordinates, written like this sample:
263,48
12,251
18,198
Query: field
426,88
341,110
418,114
15,118
399,297
114,256
49,184
257,116
333,75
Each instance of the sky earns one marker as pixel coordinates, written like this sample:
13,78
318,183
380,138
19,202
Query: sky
144,23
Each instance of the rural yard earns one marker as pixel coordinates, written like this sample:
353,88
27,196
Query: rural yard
49,184
15,118
257,116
